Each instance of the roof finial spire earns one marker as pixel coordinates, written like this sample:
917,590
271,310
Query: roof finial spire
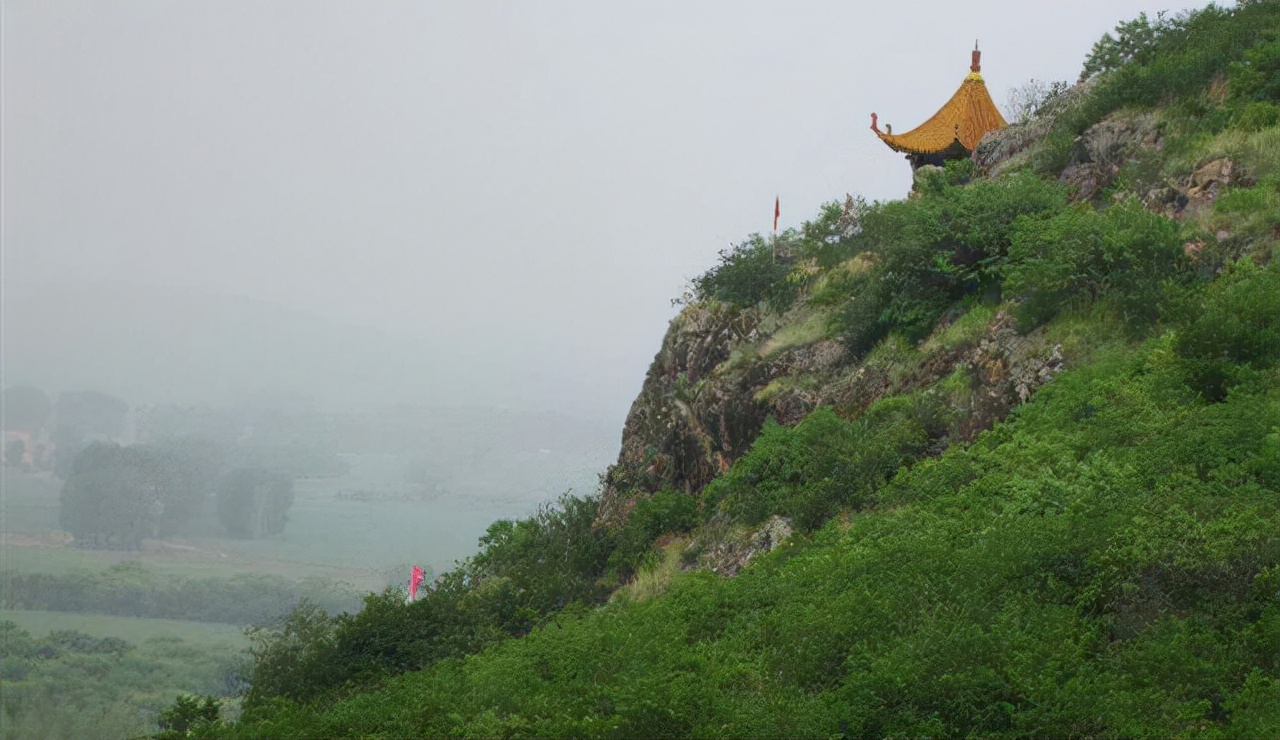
976,65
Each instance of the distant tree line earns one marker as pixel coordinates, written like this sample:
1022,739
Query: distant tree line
116,496
131,590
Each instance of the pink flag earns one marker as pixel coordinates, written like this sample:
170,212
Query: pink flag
415,580
777,211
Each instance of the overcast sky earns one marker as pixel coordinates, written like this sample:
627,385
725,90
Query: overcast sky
440,202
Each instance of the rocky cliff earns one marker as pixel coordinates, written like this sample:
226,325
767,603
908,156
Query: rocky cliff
722,370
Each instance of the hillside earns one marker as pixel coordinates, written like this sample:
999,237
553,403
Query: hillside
1000,459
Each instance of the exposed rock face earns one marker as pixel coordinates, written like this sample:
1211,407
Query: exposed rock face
714,382
727,557
1098,153
1005,149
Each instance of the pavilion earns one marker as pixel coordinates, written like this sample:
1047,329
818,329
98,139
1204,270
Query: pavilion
955,130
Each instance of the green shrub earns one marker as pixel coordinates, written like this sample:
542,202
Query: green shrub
1175,57
823,464
1257,116
1237,325
664,512
188,716
1125,253
1253,77
749,273
933,251
293,657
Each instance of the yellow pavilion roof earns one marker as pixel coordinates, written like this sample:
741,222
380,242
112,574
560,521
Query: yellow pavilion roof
965,118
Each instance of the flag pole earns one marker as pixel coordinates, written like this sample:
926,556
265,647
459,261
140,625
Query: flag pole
777,211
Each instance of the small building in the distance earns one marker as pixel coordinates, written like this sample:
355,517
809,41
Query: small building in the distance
952,132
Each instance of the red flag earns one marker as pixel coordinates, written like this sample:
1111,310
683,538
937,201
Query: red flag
415,580
777,211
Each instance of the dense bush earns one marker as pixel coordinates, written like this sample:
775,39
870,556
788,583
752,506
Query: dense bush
526,570
932,251
821,465
664,512
1125,252
1235,332
74,685
131,590
749,273
1104,564
1172,60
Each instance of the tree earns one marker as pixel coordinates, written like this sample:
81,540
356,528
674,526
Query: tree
188,715
254,502
1135,40
186,472
293,655
115,496
84,416
109,500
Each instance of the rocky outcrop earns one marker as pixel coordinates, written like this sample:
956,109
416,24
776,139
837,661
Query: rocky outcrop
722,372
1098,153
1009,148
728,555
701,405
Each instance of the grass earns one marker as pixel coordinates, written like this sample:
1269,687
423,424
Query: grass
803,330
653,579
967,329
134,629
1085,333
352,541
895,357
1257,152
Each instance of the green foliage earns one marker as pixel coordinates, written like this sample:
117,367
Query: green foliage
665,512
822,464
128,589
525,571
767,269
188,716
1134,42
1173,61
749,273
292,655
1257,116
1235,331
1249,215
1125,252
932,251
552,559
70,684
1104,565
1253,77
1176,57
116,496
109,499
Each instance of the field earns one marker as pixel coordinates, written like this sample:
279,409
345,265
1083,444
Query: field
359,528
361,532
133,629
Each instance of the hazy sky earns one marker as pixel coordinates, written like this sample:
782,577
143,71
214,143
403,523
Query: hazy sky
440,202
